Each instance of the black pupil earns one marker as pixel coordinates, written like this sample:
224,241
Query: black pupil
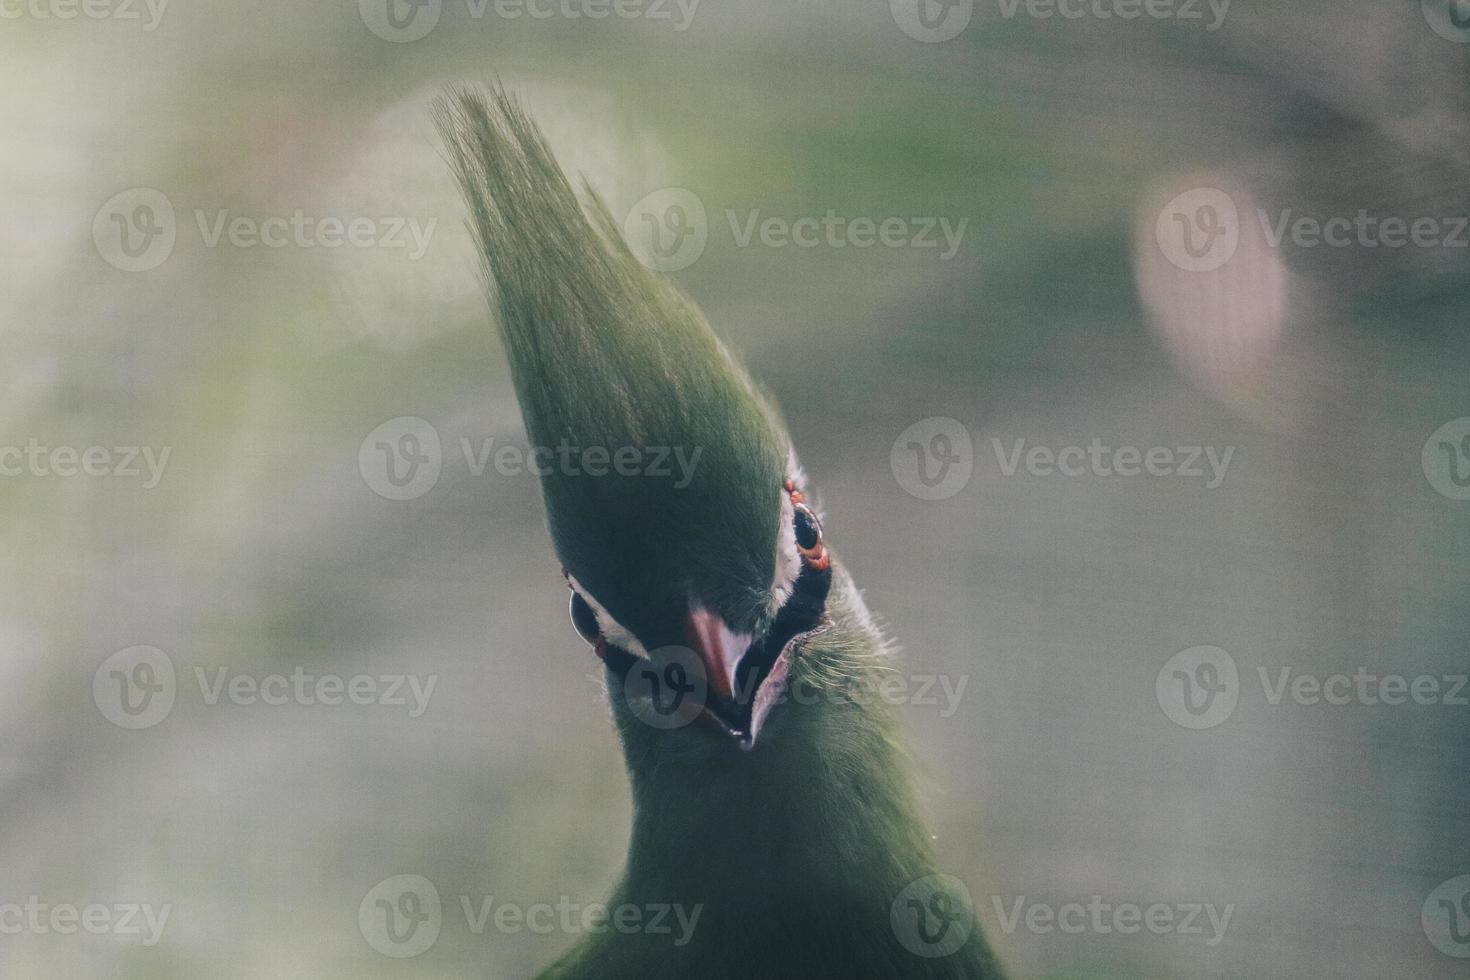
808,533
583,619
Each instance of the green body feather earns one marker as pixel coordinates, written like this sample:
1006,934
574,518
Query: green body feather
795,850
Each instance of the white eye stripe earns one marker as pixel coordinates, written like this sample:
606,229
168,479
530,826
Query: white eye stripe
788,558
612,630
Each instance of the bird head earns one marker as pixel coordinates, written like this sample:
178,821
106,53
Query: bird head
679,516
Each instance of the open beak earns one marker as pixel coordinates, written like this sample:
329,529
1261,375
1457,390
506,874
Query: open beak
719,650
744,679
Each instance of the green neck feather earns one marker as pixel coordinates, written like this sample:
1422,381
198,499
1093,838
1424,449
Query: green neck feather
794,851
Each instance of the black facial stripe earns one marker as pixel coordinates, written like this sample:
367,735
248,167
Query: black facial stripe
618,660
802,612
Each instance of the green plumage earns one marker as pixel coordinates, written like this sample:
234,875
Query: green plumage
797,849
587,329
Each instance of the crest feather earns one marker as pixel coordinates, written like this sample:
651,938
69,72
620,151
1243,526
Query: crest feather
605,352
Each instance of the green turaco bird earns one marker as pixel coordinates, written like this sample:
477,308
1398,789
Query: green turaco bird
771,791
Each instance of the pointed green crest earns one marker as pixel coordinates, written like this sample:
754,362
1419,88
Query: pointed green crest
610,357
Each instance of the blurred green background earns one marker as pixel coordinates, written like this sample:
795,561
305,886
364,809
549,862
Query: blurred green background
263,548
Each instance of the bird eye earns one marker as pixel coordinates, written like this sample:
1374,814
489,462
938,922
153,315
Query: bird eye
584,620
809,536
808,529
